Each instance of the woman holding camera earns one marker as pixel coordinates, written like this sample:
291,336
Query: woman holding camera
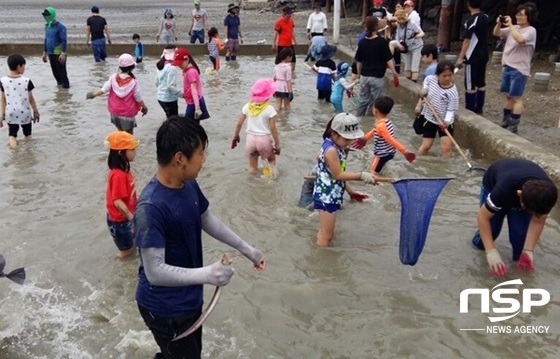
409,42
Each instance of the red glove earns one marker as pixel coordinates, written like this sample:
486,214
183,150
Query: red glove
234,142
442,127
396,80
358,143
358,196
349,94
410,156
276,150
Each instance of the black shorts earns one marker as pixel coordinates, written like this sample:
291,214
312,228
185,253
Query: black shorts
475,76
281,94
431,130
380,162
14,128
280,48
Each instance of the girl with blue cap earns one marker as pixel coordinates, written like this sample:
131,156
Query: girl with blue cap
167,28
341,84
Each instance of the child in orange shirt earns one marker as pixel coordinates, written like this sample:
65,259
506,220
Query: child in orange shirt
385,144
214,47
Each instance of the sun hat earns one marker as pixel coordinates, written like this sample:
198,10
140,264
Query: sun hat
347,126
231,7
168,54
181,54
121,140
197,2
262,90
342,69
288,10
95,9
408,3
126,60
168,11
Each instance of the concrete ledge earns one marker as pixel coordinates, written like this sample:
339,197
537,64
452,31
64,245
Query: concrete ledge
152,50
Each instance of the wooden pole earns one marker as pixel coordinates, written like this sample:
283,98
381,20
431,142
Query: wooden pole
445,22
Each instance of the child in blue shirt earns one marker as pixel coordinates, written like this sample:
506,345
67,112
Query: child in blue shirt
138,49
341,84
326,73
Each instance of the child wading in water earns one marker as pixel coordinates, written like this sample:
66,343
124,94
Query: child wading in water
341,85
167,31
192,85
341,130
138,48
17,100
121,191
262,135
125,99
168,83
283,78
214,47
383,134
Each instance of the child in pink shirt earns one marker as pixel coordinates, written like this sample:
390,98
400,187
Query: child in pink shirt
124,99
192,85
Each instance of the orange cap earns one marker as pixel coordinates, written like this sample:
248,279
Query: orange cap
122,140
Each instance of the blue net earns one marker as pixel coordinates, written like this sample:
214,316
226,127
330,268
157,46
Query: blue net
418,198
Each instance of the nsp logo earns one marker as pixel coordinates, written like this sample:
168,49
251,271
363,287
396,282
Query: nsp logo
531,297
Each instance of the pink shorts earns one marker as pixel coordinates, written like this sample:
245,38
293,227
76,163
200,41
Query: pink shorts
258,145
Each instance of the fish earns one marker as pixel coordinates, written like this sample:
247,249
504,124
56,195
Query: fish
17,275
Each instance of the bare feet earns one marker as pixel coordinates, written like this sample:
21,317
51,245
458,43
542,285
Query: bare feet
125,253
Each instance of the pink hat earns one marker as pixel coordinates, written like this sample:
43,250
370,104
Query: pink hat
169,54
262,90
408,3
126,60
377,2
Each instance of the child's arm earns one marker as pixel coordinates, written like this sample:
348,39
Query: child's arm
194,91
173,84
192,24
33,104
121,206
238,126
333,163
93,94
219,44
2,109
217,229
274,133
383,131
174,30
159,30
347,84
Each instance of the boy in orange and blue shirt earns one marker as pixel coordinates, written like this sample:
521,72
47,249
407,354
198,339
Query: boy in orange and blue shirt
383,134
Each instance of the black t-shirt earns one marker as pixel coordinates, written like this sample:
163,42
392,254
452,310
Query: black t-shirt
96,24
380,13
505,177
373,54
476,29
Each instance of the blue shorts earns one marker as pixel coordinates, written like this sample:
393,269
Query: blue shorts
329,207
513,82
191,108
122,234
518,224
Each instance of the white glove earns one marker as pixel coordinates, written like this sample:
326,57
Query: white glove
423,92
197,114
367,178
497,266
218,274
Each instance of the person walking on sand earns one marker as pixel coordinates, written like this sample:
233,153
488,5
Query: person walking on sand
124,100
262,134
54,49
170,216
284,35
521,40
120,197
98,30
17,101
167,31
317,22
474,55
198,23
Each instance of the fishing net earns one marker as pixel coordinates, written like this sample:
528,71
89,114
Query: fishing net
418,198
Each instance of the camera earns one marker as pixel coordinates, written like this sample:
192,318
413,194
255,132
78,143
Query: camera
502,19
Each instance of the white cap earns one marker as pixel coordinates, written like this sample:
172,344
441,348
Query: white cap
347,126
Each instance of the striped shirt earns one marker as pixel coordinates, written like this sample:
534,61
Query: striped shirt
444,100
384,142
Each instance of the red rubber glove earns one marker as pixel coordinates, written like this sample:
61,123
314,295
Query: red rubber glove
349,94
358,196
410,156
442,127
234,142
358,143
396,80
